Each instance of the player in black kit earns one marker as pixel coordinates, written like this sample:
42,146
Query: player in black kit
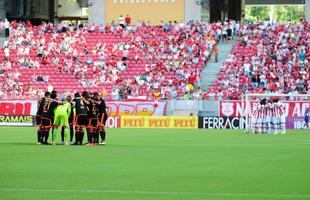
102,116
47,95
80,118
92,127
47,118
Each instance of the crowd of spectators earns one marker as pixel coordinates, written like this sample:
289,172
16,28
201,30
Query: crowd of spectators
269,58
154,61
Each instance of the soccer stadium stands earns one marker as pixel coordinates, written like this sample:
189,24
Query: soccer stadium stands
268,58
155,62
140,60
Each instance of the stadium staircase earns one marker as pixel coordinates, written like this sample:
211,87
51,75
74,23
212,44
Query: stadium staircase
210,73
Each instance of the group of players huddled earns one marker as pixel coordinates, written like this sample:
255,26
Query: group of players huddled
71,117
269,117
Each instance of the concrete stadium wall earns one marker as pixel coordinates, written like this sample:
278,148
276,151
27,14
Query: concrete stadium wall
192,10
41,9
97,12
2,10
68,9
146,10
308,10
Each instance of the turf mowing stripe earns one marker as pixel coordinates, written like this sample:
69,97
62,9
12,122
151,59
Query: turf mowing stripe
155,192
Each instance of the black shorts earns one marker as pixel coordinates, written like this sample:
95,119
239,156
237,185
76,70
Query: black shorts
38,120
93,122
47,122
81,120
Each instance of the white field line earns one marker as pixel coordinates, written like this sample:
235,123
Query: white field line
154,192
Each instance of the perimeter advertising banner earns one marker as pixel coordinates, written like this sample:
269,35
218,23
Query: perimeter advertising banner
295,122
221,122
113,122
237,108
159,122
26,109
8,120
18,107
132,108
295,111
18,112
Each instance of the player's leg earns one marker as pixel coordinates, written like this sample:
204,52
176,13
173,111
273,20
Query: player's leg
57,123
89,136
259,126
102,130
39,135
77,134
55,134
66,135
276,125
39,131
96,132
82,121
46,125
88,132
102,134
283,125
96,136
81,136
306,125
46,135
71,133
62,134
53,131
264,131
64,122
269,127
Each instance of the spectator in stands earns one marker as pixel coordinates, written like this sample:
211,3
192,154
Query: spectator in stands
121,21
216,53
128,20
7,28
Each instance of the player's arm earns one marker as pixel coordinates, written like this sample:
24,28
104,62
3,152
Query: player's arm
85,101
95,102
69,110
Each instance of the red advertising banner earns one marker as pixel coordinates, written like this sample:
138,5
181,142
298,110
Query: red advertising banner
237,108
18,107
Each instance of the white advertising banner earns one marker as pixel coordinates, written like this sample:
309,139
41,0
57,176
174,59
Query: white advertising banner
140,108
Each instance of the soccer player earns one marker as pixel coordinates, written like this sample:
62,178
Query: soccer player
102,116
283,117
307,116
49,105
275,124
280,116
54,93
47,95
254,118
62,114
264,113
70,123
80,118
92,127
260,118
268,111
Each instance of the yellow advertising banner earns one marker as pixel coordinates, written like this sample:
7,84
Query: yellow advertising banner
159,122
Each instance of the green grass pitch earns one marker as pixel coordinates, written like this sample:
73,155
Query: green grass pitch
154,164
